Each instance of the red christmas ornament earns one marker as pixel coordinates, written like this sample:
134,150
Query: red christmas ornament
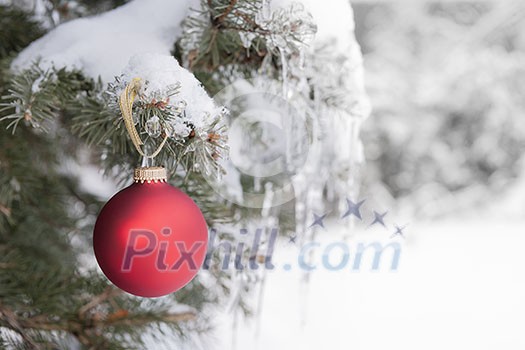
150,239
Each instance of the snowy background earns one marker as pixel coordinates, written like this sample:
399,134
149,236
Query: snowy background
444,148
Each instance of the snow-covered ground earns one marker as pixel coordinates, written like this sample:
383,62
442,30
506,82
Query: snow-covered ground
460,285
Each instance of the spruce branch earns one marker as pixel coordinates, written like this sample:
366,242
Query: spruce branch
37,95
97,300
211,34
90,329
228,10
31,98
9,318
19,29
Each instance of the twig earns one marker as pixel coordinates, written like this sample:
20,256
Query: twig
227,11
141,320
5,210
108,293
10,318
84,329
6,265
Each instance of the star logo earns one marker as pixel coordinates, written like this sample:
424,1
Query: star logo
353,209
318,220
398,231
379,219
292,239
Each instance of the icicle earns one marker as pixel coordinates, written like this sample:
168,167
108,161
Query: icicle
302,59
256,184
135,117
264,14
147,161
268,199
286,120
351,184
153,126
313,202
301,207
237,286
284,72
269,223
266,8
235,330
259,306
180,106
266,65
246,39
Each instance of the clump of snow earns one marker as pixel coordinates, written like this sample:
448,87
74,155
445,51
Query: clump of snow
159,72
35,88
334,20
103,44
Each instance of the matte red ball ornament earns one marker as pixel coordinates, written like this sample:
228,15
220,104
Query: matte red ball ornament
150,239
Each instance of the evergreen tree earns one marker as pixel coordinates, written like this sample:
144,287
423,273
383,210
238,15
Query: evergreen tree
50,294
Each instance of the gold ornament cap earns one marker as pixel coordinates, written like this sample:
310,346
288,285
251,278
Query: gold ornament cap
150,174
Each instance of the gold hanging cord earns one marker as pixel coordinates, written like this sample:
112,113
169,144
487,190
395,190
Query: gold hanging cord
126,107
